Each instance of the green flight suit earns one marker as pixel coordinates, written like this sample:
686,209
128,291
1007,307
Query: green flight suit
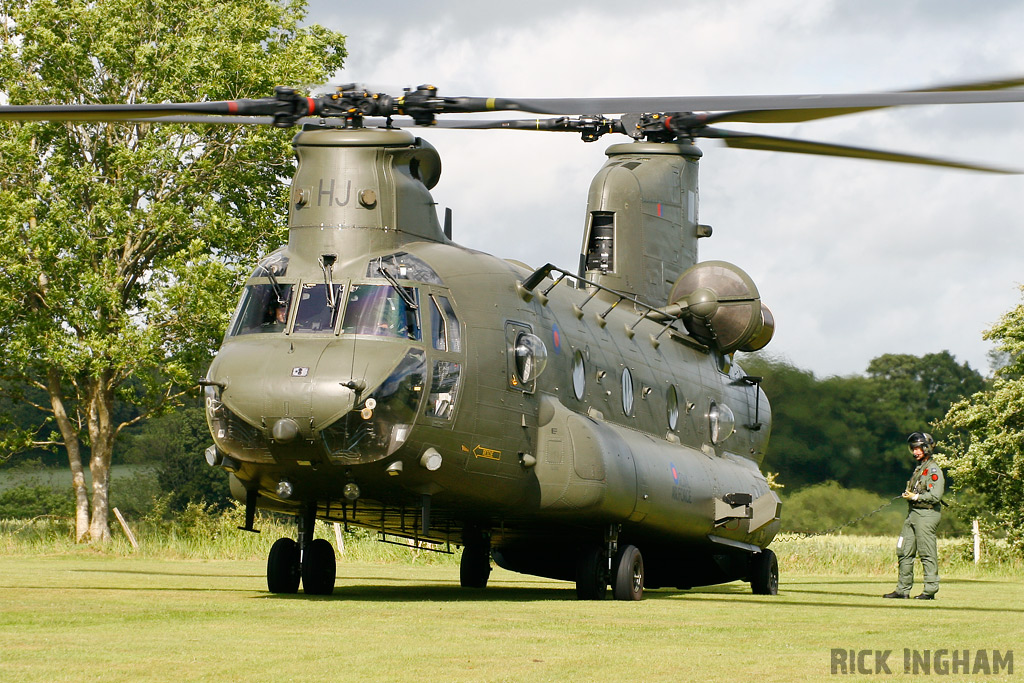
918,534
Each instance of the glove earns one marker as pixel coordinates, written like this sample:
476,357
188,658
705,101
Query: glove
910,496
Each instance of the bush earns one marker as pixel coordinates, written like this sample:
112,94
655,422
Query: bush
27,501
823,507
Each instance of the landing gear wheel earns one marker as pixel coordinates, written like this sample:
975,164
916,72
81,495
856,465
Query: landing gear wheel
318,568
764,573
475,567
629,574
283,567
591,577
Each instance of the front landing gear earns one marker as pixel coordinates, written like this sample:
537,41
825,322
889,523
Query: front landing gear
308,560
318,568
475,566
283,571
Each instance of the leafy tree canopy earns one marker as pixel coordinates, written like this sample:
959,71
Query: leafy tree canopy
853,430
986,449
122,244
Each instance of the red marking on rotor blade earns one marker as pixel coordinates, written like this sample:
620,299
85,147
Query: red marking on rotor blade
232,107
312,105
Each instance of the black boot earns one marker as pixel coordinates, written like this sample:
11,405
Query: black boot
895,594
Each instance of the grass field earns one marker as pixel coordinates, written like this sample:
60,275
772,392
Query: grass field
92,616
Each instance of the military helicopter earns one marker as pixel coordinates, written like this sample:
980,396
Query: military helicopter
587,425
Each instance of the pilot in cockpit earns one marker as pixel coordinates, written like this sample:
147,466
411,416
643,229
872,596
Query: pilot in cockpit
392,321
277,315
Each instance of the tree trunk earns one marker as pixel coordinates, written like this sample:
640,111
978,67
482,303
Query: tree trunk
99,528
101,435
69,433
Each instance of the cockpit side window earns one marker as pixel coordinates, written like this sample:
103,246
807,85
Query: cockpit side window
264,308
317,310
444,325
382,311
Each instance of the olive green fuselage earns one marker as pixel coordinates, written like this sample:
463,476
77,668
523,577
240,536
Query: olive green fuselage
430,418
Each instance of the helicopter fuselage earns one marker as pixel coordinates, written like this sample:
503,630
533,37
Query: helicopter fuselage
413,386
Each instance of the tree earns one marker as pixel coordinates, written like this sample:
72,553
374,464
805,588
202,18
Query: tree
986,450
913,392
122,244
853,430
923,387
175,443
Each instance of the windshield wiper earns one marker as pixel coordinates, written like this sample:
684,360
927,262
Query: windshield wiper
278,292
327,262
402,292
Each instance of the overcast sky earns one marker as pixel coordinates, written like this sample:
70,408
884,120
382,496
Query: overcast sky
855,258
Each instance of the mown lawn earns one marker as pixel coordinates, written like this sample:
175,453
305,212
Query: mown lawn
115,618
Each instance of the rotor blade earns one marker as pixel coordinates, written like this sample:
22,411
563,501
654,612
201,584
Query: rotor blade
106,112
800,115
288,106
285,108
627,105
777,144
557,124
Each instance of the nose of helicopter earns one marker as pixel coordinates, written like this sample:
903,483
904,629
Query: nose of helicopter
289,390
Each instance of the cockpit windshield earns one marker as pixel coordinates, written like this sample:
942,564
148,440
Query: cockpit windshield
317,313
264,308
382,310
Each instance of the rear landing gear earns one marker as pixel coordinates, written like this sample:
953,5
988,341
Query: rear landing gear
475,567
764,573
624,570
629,574
591,574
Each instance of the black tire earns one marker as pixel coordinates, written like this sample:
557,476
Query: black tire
764,573
318,568
591,575
283,567
475,566
629,574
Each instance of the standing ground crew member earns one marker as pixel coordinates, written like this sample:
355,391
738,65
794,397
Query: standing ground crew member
924,495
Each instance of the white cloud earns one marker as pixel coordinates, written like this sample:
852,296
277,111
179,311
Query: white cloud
855,258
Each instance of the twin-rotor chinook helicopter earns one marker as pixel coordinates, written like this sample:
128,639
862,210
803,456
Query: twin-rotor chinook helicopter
586,425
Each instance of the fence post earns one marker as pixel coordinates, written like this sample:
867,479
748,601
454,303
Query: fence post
975,527
340,539
127,531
